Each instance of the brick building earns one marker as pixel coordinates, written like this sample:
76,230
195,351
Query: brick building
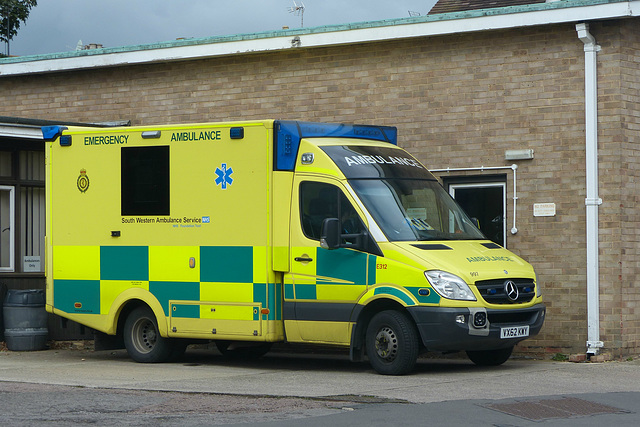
529,113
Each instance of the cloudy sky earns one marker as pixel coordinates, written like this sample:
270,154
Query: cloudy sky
58,25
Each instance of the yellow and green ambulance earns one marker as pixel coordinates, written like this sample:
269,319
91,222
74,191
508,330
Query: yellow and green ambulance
258,232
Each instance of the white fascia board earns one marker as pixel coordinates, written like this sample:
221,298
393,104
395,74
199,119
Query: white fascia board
434,25
20,132
473,24
143,56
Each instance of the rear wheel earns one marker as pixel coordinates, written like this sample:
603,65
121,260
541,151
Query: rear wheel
142,338
490,357
392,343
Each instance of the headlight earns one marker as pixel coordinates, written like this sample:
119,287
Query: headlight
538,288
449,285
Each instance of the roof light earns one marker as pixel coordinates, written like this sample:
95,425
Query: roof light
149,134
236,133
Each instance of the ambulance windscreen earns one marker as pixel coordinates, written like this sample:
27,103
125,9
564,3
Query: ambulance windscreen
404,199
414,210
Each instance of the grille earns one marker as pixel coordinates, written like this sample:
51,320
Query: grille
493,292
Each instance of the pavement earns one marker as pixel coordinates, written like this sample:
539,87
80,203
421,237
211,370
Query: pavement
520,392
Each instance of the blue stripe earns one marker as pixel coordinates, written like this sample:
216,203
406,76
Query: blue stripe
288,291
124,263
181,291
371,273
432,298
394,292
66,293
344,264
231,264
306,292
189,311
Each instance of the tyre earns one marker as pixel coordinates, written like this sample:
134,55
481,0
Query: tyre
242,350
142,339
490,357
392,343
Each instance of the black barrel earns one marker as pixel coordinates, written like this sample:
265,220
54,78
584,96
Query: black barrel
25,320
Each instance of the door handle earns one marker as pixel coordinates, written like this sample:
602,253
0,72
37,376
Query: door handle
303,259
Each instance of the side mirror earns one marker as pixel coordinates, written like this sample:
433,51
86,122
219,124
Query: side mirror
476,222
330,234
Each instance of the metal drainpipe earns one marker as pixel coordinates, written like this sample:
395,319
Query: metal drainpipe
592,200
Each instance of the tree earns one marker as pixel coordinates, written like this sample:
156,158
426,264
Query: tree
12,13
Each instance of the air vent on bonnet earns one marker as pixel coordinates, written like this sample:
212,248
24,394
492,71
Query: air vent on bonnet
433,247
491,245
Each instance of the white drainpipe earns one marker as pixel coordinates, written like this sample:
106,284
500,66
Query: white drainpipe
592,200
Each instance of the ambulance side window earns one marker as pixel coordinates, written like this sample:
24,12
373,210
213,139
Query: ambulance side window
145,180
319,201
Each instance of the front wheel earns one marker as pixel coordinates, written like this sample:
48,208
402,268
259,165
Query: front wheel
142,338
490,357
392,343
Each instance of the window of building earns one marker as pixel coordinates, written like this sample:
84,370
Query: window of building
145,181
22,211
7,230
484,199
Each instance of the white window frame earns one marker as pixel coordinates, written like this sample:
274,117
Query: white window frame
452,192
12,228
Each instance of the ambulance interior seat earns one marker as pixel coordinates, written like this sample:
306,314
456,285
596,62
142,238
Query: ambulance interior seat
314,217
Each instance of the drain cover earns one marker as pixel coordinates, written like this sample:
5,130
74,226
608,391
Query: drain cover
565,407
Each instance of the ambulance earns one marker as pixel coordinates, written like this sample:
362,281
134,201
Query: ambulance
253,233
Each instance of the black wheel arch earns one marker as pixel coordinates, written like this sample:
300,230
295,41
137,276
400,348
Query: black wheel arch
362,315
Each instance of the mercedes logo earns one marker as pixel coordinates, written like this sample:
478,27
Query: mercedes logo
511,289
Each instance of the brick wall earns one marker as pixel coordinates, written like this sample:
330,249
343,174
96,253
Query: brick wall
458,101
621,100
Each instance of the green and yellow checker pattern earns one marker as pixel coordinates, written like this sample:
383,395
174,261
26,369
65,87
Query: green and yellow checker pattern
337,275
198,288
344,275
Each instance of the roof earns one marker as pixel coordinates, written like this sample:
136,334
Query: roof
449,6
564,11
23,128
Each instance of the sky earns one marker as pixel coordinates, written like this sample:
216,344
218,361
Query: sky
57,25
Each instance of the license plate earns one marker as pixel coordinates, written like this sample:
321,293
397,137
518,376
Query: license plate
514,332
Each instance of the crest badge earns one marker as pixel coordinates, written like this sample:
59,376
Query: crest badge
83,181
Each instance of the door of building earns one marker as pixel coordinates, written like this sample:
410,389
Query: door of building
486,202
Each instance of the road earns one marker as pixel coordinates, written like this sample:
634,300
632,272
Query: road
287,388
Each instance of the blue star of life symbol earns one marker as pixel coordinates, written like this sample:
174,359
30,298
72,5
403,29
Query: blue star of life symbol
224,176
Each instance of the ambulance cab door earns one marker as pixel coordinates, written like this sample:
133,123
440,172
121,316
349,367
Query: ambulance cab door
323,286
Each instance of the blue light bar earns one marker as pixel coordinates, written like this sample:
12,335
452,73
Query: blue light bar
50,133
289,133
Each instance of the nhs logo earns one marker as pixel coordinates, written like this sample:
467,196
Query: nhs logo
206,220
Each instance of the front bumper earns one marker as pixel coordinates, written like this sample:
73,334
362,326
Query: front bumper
442,329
